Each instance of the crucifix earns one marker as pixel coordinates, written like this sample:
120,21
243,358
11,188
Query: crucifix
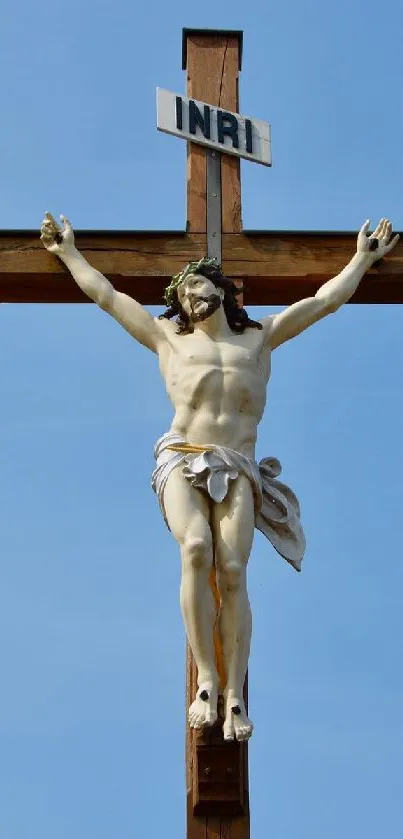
215,361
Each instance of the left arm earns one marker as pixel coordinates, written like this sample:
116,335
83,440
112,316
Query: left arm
335,292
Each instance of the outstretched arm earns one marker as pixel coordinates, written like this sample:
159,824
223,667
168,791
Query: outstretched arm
336,291
130,314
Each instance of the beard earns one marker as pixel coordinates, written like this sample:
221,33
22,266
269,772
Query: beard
212,303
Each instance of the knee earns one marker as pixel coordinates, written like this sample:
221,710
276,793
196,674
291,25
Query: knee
197,553
231,577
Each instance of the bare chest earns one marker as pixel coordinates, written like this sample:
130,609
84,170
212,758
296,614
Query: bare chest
197,365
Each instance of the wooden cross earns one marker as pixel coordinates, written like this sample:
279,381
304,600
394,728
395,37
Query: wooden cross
276,268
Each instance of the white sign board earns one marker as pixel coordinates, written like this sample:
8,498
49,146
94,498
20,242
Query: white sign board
214,127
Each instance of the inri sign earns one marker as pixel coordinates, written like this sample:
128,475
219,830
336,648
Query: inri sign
211,126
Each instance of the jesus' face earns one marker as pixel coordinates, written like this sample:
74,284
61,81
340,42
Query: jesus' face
199,297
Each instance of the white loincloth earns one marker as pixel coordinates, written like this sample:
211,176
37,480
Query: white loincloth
277,511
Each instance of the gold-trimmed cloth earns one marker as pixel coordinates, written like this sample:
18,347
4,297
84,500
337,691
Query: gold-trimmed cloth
211,468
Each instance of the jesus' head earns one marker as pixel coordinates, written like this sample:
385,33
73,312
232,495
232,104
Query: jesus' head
198,291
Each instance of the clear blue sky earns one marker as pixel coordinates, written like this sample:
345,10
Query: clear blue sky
92,645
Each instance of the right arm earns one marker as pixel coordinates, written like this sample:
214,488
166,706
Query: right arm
130,314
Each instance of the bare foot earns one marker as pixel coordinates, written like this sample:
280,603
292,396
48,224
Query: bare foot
203,711
237,724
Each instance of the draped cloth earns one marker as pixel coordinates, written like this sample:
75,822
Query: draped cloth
211,468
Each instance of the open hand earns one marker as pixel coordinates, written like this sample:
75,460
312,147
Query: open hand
378,243
57,239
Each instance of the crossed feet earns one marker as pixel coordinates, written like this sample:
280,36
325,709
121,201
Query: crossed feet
203,712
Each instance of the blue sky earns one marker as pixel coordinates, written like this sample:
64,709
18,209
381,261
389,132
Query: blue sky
92,645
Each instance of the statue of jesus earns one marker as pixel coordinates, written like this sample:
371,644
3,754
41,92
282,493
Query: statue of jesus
215,362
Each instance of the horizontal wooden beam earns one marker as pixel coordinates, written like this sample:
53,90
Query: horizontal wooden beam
276,267
137,263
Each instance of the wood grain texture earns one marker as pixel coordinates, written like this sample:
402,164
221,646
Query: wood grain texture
199,81
210,72
138,263
277,268
230,166
212,76
196,190
211,827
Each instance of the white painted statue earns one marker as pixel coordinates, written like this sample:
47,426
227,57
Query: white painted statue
216,366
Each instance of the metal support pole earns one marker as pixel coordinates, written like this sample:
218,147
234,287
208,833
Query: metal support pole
214,204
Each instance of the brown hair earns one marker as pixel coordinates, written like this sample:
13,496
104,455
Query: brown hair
237,318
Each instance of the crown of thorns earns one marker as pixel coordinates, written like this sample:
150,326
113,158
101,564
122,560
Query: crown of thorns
191,268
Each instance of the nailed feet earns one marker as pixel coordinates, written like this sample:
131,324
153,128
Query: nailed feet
203,711
237,724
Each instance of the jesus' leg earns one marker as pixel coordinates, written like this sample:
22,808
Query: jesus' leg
187,511
233,524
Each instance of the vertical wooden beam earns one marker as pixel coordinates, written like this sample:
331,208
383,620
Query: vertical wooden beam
231,166
216,772
212,62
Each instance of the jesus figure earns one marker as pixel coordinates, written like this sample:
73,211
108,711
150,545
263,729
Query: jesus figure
215,362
